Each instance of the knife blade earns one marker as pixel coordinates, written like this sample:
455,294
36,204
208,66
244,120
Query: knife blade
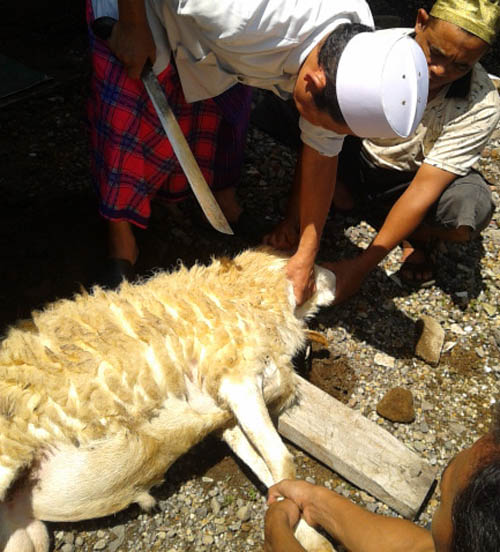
102,27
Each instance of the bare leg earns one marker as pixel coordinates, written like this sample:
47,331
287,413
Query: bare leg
342,199
226,199
286,234
121,241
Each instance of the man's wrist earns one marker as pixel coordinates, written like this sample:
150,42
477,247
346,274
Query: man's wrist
371,257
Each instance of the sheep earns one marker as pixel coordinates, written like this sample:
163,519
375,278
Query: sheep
101,393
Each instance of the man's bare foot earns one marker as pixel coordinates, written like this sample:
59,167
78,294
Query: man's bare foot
417,266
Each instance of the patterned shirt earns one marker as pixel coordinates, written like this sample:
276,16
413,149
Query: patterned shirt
454,129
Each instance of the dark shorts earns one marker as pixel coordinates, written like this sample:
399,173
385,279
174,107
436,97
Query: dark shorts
132,160
467,201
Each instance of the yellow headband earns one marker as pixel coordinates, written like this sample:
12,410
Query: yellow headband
479,17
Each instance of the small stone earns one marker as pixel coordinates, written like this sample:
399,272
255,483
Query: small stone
243,513
430,340
214,504
381,359
457,428
419,446
366,497
207,540
397,405
456,329
100,544
490,309
448,346
68,547
496,336
119,531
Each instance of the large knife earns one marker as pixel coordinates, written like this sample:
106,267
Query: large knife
102,28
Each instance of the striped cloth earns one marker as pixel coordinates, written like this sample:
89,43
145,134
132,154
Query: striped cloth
132,161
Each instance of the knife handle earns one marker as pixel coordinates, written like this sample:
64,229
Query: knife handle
103,26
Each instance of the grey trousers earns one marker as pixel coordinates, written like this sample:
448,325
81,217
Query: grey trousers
467,201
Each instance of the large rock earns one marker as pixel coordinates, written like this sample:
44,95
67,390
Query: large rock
397,405
430,339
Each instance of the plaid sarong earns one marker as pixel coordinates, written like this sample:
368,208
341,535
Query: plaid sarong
132,161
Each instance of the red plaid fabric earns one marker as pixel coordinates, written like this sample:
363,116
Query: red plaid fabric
132,161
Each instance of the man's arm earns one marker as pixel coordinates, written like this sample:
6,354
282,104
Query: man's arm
316,184
131,40
403,219
355,528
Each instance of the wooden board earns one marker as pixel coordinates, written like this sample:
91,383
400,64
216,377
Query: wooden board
357,449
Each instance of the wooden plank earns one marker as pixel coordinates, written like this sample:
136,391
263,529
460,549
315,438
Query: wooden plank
358,449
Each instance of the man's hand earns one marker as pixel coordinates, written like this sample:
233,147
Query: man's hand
281,520
285,236
349,275
133,45
301,273
300,492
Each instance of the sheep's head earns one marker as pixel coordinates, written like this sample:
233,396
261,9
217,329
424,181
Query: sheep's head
322,297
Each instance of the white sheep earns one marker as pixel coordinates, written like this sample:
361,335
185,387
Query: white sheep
100,394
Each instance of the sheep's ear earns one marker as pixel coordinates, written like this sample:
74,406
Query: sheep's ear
325,286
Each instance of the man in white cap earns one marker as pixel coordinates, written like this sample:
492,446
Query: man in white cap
424,185
292,49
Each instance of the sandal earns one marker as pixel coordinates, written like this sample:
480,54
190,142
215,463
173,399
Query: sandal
419,271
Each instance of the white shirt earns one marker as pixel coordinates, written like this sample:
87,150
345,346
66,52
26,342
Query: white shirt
260,43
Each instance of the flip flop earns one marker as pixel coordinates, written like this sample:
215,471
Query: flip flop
416,274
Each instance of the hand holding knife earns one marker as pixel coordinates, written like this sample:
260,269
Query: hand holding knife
102,28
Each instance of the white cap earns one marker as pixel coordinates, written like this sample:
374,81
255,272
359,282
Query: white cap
382,84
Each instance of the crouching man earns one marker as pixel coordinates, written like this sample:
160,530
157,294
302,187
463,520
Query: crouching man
467,518
423,187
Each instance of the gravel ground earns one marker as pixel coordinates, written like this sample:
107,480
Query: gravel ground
52,240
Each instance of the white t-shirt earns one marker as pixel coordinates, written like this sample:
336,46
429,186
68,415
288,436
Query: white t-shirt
260,43
451,135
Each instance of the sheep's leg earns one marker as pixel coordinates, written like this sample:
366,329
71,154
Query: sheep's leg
258,436
19,531
242,447
246,401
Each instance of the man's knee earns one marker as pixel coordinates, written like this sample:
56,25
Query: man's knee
465,208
